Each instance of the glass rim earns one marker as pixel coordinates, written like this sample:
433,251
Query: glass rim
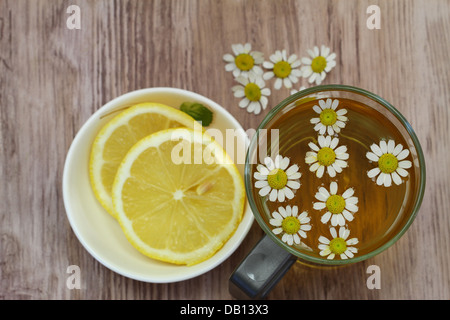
336,87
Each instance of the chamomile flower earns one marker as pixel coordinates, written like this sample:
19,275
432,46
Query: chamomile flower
320,63
252,90
330,119
339,207
290,224
391,163
338,245
244,61
285,70
277,179
326,155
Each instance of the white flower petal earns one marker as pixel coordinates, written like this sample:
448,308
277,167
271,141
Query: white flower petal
277,216
320,171
333,188
278,83
351,207
333,232
277,230
372,173
341,163
262,169
383,146
387,180
273,195
319,205
405,164
334,220
380,179
314,120
275,222
390,146
334,143
317,109
281,195
314,167
376,149
293,184
294,176
396,178
230,67
402,172
324,240
340,219
331,172
372,156
288,193
348,193
313,146
284,163
326,217
324,191
321,197
269,163
352,200
397,149
261,184
264,191
244,103
291,170
347,215
335,104
282,212
402,155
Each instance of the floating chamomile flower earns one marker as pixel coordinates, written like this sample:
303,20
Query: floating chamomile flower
244,61
339,245
326,155
253,92
391,163
284,69
290,224
320,63
330,119
339,207
276,179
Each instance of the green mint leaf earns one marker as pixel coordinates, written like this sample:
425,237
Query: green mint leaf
198,111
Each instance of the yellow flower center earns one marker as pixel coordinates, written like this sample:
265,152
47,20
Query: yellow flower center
326,156
318,64
290,225
335,204
328,117
252,92
277,179
282,69
388,163
244,61
338,246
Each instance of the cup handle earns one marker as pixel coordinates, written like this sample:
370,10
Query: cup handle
260,271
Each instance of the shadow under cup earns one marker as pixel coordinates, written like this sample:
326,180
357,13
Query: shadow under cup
384,215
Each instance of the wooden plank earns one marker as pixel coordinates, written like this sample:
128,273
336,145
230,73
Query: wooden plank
52,79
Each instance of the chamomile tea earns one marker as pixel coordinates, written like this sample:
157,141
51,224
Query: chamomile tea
342,170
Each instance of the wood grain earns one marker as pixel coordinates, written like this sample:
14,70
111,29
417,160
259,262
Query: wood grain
52,79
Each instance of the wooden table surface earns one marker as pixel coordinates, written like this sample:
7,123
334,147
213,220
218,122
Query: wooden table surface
53,78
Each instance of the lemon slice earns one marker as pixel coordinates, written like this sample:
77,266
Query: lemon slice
117,137
178,196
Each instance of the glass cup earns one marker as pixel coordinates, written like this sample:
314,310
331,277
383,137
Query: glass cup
271,258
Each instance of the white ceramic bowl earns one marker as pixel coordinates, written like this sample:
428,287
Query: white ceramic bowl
100,233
